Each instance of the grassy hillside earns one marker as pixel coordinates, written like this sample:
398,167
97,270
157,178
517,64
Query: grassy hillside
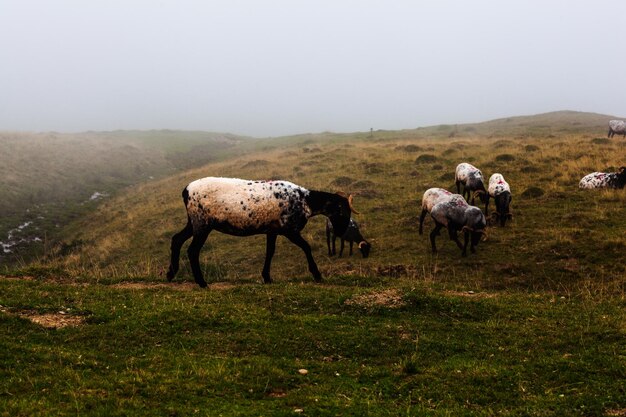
50,178
534,323
388,174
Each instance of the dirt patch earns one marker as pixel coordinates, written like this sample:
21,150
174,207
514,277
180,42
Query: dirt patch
55,320
277,394
49,320
388,298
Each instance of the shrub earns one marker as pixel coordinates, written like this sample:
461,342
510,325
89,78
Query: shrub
505,157
363,184
342,181
373,168
600,141
527,169
533,192
425,158
502,143
409,148
448,176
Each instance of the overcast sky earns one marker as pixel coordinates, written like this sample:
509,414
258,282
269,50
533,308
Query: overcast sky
271,67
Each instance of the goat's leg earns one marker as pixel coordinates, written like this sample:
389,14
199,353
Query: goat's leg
193,252
330,253
270,248
452,232
341,242
458,187
298,240
465,191
434,234
487,204
422,217
351,244
177,242
467,238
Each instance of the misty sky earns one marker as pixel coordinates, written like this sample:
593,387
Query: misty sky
268,68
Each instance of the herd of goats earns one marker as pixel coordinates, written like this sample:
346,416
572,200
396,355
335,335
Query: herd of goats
243,208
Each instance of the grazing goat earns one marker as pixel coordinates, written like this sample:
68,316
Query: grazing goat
500,190
352,235
617,126
244,208
472,180
604,179
431,197
452,212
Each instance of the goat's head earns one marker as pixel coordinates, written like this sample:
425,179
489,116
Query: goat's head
482,194
365,247
475,224
338,208
621,177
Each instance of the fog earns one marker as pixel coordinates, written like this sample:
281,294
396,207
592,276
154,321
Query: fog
268,68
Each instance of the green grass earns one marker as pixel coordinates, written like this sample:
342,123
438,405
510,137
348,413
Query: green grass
237,350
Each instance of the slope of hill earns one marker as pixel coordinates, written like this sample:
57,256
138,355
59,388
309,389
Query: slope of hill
50,178
388,173
553,123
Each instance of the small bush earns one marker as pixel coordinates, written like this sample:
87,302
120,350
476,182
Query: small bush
448,176
425,158
505,157
368,194
529,169
437,167
363,184
409,148
342,181
600,141
531,148
502,143
533,192
311,150
373,168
